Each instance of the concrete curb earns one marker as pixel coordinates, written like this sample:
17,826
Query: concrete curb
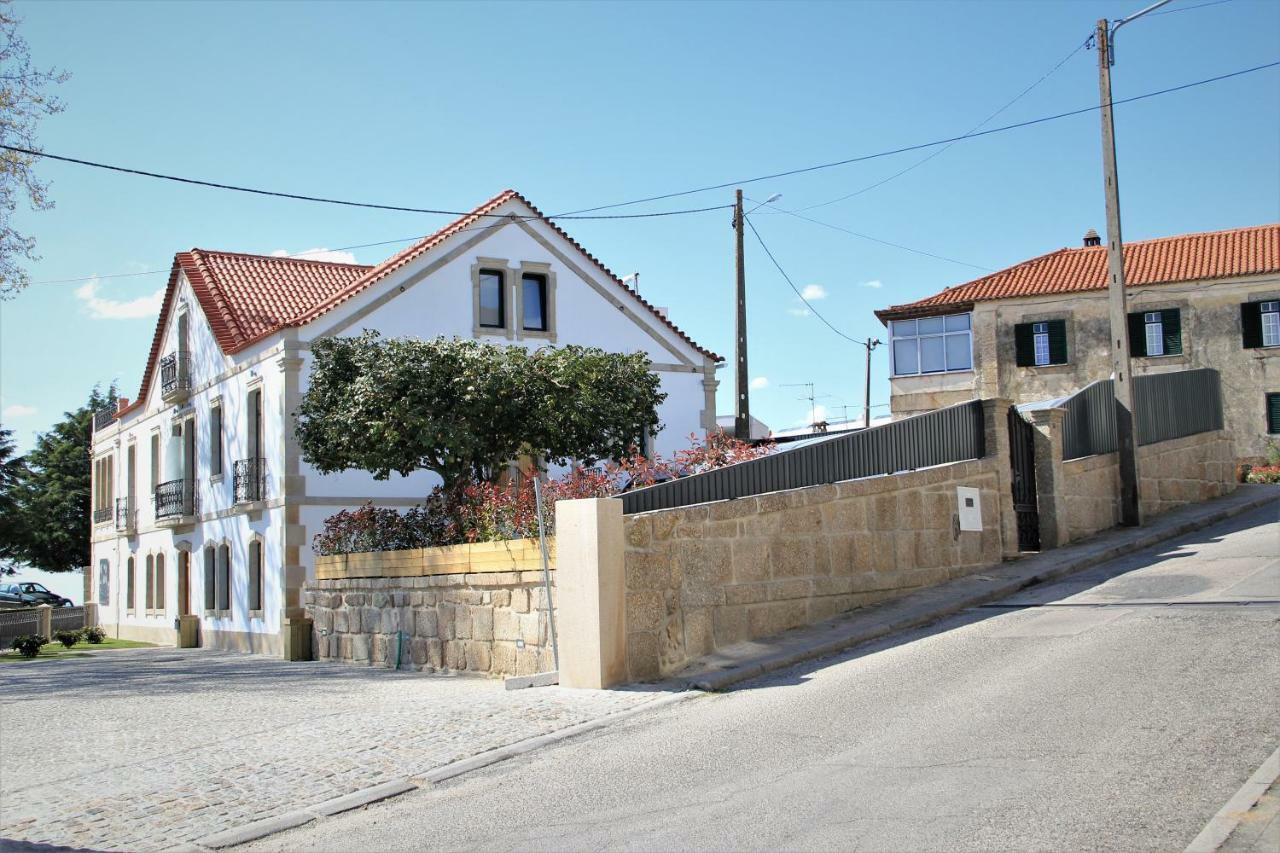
930,605
292,819
1221,825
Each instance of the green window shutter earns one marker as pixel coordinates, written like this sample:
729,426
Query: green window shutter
1024,345
1251,324
1273,414
1057,341
1137,335
1171,321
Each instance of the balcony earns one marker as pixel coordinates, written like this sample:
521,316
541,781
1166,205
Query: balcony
175,377
102,516
249,480
103,418
175,503
126,515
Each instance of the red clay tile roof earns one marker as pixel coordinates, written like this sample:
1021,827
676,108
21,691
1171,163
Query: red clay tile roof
1186,257
249,297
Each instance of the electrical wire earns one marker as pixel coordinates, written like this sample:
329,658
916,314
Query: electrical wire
31,152
1187,8
807,303
938,151
865,157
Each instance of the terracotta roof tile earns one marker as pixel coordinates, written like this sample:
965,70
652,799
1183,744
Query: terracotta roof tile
1186,257
249,297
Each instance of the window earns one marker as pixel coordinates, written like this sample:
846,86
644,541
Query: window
1260,323
255,575
215,440
932,345
1040,344
222,581
103,488
159,603
210,578
1155,333
131,586
492,300
534,301
104,582
1270,324
1273,414
155,460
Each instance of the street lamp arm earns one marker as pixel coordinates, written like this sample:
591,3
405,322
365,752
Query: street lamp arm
1111,42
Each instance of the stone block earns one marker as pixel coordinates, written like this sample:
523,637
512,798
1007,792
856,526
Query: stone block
752,593
502,598
765,620
731,510
531,628
820,494
418,651
346,647
844,516
426,622
728,625
503,659
792,558
642,656
805,520
722,530
463,596
435,653
645,610
750,561
506,625
379,648
911,510
697,530
360,647
639,532
380,600
762,526
353,599
478,657
455,654
389,621
482,623
462,621
833,586
520,600
905,550
527,661
370,620
790,589
400,599
884,512
664,524
775,502
823,608
322,620
698,632
445,621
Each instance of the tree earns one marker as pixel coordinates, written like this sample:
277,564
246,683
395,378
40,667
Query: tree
466,409
54,497
23,103
13,471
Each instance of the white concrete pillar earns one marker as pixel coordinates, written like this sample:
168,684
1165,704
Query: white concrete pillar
591,588
44,621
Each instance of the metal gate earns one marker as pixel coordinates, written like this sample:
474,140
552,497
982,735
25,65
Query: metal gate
1022,462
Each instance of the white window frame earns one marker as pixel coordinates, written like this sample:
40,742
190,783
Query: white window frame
1040,338
1270,314
1154,323
897,327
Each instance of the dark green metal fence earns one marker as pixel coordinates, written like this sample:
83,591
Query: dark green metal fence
953,434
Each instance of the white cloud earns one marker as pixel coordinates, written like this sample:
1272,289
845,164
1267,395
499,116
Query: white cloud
332,256
798,312
113,309
17,410
875,282
759,382
814,291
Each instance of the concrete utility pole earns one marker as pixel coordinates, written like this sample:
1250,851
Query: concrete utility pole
866,400
1130,508
742,411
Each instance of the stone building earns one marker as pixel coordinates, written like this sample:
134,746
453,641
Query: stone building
1040,329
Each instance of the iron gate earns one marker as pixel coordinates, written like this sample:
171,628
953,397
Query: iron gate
1022,462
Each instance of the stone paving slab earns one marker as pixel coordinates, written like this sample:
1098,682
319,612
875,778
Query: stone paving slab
156,748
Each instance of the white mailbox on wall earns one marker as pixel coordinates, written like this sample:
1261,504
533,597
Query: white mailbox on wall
969,508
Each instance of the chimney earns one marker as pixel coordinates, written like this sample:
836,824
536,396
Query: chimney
122,403
1091,238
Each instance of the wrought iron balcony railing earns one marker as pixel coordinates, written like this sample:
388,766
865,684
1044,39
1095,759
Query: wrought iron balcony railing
174,500
175,376
126,514
249,479
103,418
102,516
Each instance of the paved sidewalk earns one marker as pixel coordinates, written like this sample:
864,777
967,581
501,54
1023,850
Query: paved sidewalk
148,749
1259,829
727,667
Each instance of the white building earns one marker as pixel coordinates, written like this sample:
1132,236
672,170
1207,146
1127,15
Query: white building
202,504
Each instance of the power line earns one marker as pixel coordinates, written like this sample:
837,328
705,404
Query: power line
865,157
875,239
938,151
31,152
807,303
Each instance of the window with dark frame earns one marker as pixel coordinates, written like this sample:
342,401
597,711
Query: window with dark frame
534,302
1041,343
131,586
492,300
255,575
210,579
222,583
1155,333
215,440
1273,414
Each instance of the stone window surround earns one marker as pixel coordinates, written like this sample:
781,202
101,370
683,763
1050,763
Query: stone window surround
262,571
131,584
157,582
513,299
1184,312
1044,317
215,612
893,367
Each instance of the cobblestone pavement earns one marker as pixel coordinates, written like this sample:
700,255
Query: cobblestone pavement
146,749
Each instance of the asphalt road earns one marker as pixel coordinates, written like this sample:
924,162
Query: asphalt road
1116,710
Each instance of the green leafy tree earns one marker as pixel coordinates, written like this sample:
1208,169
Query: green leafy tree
54,496
24,101
13,471
466,409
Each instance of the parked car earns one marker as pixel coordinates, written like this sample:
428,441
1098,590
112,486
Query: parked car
41,594
12,596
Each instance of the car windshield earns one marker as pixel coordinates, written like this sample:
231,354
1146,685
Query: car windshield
33,587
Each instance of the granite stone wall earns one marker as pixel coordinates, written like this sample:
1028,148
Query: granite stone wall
492,623
704,577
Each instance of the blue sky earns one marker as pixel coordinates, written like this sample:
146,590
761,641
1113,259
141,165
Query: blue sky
576,105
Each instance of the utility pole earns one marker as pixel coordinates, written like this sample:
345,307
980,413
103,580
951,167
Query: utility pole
1130,508
742,411
866,400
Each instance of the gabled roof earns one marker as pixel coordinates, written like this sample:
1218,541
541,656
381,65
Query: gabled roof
1186,257
250,297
